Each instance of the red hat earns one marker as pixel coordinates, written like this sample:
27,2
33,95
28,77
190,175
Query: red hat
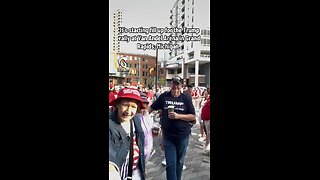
128,93
144,97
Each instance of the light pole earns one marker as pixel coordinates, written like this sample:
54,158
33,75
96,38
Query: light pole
156,69
139,71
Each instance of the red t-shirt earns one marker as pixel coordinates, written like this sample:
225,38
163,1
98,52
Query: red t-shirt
150,95
205,113
195,93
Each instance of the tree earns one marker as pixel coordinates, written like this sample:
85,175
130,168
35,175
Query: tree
149,81
162,81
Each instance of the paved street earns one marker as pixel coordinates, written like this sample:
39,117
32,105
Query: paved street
196,168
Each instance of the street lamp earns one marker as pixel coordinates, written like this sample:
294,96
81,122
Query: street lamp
156,69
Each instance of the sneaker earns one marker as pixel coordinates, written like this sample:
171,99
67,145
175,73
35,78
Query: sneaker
202,139
164,162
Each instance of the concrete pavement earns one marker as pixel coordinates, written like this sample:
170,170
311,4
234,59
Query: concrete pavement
196,169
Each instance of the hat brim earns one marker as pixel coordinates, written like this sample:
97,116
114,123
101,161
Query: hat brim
176,82
140,103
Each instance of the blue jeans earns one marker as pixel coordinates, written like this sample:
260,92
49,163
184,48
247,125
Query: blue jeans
175,151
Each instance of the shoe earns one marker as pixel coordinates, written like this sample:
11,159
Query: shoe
164,162
184,167
202,139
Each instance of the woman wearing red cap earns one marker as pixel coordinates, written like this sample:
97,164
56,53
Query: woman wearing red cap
126,137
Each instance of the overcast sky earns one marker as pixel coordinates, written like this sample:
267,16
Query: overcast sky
137,13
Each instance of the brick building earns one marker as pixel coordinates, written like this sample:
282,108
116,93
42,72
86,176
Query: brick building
135,74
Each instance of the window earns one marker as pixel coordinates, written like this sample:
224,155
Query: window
179,71
143,73
147,66
205,32
205,42
170,71
135,65
191,70
135,58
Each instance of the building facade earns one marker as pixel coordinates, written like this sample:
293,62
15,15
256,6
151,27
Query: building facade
117,21
192,60
140,69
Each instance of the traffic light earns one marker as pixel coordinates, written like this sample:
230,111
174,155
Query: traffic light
152,71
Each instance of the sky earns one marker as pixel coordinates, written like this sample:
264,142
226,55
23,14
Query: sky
137,13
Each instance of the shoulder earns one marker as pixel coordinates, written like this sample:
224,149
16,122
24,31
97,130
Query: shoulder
186,98
112,119
164,94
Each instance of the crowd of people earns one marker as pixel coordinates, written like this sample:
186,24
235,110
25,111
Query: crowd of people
132,126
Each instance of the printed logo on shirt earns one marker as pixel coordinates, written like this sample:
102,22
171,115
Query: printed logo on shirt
179,106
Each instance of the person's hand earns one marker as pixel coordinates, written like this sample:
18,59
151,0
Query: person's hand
113,173
173,115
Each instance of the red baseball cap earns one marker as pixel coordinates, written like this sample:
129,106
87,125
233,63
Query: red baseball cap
128,93
144,97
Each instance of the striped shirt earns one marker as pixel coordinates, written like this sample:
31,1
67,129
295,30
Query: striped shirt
136,152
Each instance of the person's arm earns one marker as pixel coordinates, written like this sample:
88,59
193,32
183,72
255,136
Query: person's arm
156,105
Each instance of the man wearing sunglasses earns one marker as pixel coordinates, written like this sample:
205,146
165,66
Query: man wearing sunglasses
176,126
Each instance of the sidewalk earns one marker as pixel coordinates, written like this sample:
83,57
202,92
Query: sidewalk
196,168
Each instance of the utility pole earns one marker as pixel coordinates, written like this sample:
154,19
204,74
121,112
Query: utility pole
156,69
139,71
